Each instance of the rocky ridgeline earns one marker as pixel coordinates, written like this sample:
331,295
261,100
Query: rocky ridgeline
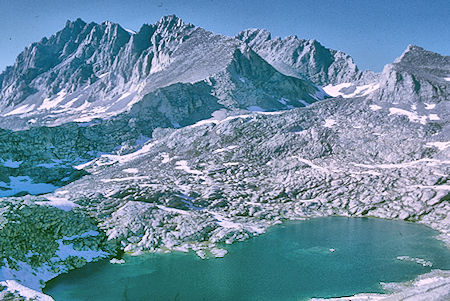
418,76
88,71
305,58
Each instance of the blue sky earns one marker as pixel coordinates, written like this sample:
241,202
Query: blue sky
373,32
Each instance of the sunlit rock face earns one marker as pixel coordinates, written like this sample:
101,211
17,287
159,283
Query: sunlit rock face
88,71
305,58
417,76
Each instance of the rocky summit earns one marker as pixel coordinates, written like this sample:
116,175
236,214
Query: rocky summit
174,138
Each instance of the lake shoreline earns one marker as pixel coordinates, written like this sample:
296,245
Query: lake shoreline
386,292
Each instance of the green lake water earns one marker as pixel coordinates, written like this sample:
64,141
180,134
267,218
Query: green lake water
292,261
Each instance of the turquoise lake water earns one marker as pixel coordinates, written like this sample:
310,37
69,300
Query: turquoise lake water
292,261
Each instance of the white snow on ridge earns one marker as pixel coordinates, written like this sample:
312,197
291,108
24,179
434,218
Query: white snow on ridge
220,150
204,122
15,287
131,170
439,145
227,223
335,90
375,107
59,202
172,210
314,166
125,95
255,109
429,106
111,159
125,179
103,75
436,187
329,123
401,165
303,102
12,164
21,110
65,251
182,165
413,116
447,79
49,103
433,117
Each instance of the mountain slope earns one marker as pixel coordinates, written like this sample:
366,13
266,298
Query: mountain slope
89,71
304,58
417,76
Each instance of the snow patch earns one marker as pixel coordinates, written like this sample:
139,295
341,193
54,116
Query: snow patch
125,179
335,90
131,170
439,145
221,150
64,251
49,103
412,116
255,109
15,287
205,122
24,183
303,102
182,165
329,123
433,117
375,107
166,158
21,110
59,202
421,261
12,164
172,210
429,106
107,159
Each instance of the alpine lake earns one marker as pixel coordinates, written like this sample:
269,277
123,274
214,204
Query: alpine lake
322,257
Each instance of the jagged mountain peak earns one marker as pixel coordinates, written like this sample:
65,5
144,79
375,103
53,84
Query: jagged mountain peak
75,23
419,56
416,76
170,19
171,23
90,70
302,58
252,34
